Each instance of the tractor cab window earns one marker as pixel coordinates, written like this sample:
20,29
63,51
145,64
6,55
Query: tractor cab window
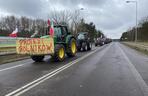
64,31
81,36
85,36
47,31
57,31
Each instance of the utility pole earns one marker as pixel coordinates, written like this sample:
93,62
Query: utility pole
136,13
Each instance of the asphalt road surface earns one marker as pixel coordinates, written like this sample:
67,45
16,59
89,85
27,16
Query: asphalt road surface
110,70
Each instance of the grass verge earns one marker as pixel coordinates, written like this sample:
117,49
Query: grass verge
136,47
8,49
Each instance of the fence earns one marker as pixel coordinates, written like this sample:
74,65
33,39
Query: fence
8,41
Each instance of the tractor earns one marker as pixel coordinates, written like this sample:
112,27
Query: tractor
83,41
64,43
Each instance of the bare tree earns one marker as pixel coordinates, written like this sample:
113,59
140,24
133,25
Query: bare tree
67,17
61,17
9,23
76,20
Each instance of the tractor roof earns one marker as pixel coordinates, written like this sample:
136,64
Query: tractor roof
58,25
83,33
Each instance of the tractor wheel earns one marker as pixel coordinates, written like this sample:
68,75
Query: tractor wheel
72,49
59,54
79,48
37,58
84,46
89,46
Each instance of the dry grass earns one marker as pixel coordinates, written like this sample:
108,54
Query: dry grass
11,57
139,46
7,49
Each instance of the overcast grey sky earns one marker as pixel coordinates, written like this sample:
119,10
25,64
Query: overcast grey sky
111,16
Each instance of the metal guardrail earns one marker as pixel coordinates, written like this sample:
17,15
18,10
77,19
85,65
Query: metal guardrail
8,41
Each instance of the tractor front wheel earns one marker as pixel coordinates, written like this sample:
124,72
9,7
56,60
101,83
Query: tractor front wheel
37,58
59,54
72,48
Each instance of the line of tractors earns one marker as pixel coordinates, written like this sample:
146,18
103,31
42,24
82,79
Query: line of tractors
101,41
64,44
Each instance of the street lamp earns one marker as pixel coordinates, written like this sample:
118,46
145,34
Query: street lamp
77,15
136,30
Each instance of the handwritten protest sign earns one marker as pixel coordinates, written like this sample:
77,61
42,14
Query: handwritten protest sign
35,46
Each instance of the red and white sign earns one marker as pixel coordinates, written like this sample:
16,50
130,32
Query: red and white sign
14,33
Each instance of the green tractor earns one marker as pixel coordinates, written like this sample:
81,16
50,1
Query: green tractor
64,44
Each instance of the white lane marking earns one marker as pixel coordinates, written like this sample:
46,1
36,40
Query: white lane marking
36,82
139,79
11,67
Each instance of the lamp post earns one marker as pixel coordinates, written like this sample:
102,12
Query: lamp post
136,30
81,9
76,16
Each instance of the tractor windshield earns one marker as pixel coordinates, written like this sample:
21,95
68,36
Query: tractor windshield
57,31
81,36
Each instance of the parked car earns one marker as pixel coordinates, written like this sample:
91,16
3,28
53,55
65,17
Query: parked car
83,41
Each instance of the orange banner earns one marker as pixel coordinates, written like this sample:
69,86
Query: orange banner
35,46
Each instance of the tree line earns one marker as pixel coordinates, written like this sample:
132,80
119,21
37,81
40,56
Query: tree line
142,32
90,28
27,26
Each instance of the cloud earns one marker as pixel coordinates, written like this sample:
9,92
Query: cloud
111,16
74,3
22,7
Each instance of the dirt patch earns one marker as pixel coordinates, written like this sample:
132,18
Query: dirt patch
12,58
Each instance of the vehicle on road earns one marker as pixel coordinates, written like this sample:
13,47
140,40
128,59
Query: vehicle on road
107,40
63,42
83,42
99,41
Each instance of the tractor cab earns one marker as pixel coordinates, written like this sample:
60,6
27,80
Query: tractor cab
60,33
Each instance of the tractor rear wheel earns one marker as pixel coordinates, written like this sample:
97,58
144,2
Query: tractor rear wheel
72,49
89,46
85,47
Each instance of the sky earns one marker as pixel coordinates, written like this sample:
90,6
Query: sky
113,17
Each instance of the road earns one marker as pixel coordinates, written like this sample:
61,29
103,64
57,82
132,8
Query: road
110,70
